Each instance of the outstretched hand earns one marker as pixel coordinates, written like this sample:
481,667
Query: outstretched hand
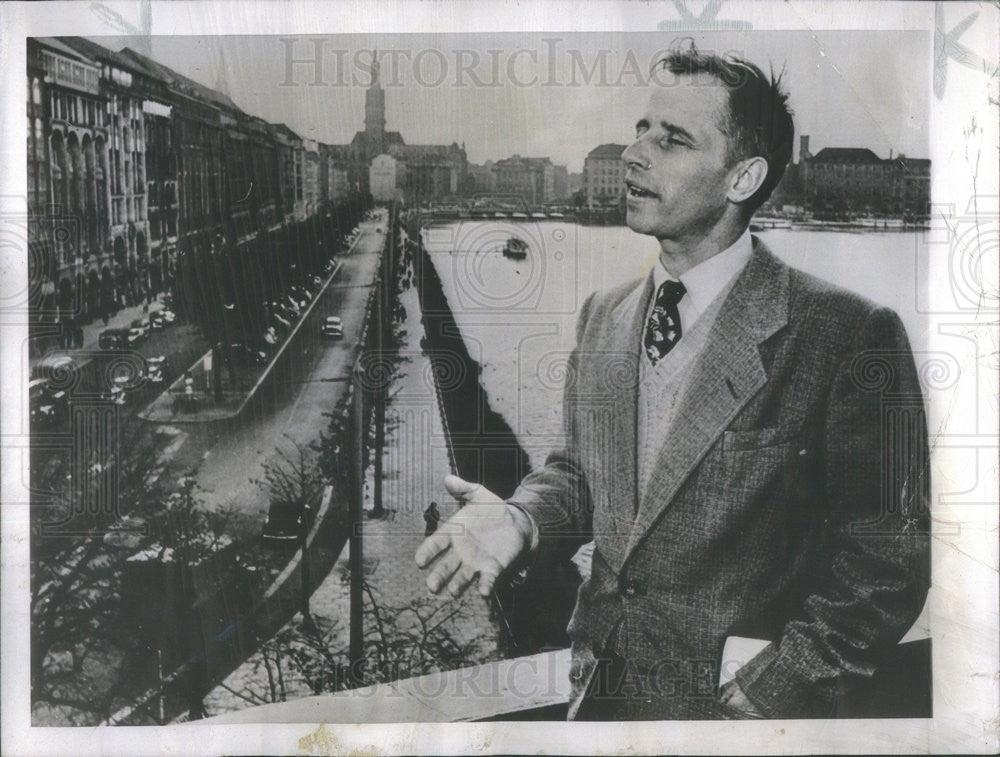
479,542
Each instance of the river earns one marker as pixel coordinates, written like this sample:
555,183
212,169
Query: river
517,317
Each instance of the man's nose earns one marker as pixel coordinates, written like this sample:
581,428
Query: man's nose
633,156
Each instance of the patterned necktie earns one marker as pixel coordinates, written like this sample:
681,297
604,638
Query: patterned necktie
663,330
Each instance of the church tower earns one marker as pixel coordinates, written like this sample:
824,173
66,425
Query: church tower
374,114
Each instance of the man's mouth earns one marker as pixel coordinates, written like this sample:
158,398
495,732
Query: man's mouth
634,190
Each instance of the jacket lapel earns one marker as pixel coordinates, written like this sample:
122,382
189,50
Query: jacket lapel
726,375
619,381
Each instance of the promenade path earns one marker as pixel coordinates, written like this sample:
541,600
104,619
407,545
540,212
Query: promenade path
415,464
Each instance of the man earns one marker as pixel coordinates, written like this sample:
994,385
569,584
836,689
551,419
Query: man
746,446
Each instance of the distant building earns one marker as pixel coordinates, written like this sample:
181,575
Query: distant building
383,178
290,184
560,183
855,181
423,172
483,179
531,179
311,187
604,175
575,183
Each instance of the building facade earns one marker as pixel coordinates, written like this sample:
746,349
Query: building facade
423,172
604,176
532,179
848,182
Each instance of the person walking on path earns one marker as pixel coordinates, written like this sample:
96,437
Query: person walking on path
431,518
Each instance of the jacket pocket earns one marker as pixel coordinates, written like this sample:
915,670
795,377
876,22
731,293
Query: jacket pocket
753,438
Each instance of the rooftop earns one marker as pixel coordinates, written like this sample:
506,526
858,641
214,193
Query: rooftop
846,155
607,151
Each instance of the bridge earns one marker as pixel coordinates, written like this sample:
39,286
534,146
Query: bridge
494,209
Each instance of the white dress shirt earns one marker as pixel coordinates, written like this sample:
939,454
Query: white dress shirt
704,283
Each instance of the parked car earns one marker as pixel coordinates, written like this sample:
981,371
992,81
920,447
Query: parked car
245,355
159,319
154,368
115,339
333,327
138,329
47,406
116,391
287,523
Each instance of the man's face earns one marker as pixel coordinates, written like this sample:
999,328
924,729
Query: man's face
677,167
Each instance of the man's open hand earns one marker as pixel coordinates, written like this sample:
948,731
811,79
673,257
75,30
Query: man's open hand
480,541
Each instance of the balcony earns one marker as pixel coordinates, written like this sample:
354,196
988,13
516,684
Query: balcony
535,687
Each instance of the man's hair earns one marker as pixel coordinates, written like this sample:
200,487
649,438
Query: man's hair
758,121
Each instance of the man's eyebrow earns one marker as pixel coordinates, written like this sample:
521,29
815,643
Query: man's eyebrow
672,129
678,130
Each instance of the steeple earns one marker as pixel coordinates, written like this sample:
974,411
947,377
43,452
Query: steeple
375,113
376,69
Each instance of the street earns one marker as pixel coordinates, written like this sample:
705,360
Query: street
227,458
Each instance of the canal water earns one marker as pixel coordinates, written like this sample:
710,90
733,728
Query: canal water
517,317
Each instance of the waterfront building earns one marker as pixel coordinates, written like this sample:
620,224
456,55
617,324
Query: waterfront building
482,178
560,184
604,176
852,181
531,179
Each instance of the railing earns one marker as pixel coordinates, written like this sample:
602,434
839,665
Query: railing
536,687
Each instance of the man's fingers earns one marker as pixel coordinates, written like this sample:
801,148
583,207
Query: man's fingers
459,487
431,547
488,577
461,580
443,571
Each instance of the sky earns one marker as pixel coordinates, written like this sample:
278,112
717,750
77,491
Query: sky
551,95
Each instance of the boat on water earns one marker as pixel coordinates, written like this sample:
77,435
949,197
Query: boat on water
516,249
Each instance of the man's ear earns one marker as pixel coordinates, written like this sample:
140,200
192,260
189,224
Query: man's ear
747,177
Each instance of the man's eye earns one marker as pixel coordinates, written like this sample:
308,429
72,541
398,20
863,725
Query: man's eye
672,142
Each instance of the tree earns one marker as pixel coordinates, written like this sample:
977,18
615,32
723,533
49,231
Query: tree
294,484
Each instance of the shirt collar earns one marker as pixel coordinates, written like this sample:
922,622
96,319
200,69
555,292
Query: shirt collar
709,278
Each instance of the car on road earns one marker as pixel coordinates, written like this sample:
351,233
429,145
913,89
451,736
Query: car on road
287,523
47,406
139,329
115,393
246,356
115,339
159,319
154,368
333,327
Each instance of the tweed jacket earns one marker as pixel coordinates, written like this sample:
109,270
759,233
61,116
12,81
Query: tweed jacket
788,502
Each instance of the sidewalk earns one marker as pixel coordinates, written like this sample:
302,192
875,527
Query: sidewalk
415,464
122,319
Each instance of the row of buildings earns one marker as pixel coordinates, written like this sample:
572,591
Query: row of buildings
129,161
837,182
